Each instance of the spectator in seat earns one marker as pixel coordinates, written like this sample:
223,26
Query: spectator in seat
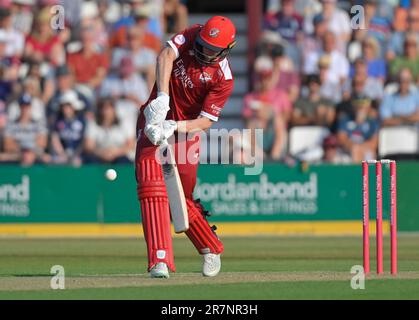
338,23
328,90
31,88
358,131
401,20
286,75
313,109
15,39
401,107
42,44
128,89
269,109
65,83
338,70
313,43
376,67
22,12
68,131
144,58
9,64
287,78
377,25
141,16
409,60
289,24
90,15
88,65
44,74
107,140
25,140
362,83
397,39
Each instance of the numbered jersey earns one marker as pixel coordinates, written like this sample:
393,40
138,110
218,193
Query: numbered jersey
196,89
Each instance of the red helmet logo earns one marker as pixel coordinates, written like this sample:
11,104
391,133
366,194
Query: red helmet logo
214,32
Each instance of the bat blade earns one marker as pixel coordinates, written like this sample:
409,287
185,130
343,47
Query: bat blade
177,201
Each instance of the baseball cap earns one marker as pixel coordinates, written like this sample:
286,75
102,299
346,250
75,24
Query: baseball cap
264,65
318,18
89,10
70,97
25,100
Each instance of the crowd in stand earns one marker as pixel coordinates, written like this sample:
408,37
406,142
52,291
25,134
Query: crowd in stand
72,77
317,65
70,95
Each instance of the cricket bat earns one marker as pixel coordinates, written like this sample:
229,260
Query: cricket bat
177,201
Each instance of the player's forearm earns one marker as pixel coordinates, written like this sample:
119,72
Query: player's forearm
199,124
164,69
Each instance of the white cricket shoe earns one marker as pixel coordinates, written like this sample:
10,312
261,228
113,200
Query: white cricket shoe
212,264
160,270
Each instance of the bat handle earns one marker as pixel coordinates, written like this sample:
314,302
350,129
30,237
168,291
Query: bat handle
164,143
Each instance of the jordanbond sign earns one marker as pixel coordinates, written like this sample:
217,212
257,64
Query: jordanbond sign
262,197
44,194
14,198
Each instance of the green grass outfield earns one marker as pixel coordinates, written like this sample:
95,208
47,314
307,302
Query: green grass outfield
253,268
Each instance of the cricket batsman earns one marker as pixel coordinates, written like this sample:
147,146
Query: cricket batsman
193,83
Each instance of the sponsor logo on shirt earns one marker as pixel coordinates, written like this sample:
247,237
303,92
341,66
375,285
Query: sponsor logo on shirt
215,109
205,77
180,73
180,39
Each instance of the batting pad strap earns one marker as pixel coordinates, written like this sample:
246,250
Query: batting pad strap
200,233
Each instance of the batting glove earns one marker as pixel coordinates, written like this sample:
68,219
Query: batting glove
155,112
158,133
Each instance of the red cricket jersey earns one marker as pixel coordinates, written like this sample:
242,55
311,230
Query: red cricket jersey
195,89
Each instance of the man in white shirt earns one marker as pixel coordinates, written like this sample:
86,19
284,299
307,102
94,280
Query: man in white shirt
339,66
15,39
338,22
128,89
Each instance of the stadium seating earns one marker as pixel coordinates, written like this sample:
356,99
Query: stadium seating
302,139
401,140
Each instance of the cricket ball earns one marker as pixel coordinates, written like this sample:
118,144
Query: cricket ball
110,174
